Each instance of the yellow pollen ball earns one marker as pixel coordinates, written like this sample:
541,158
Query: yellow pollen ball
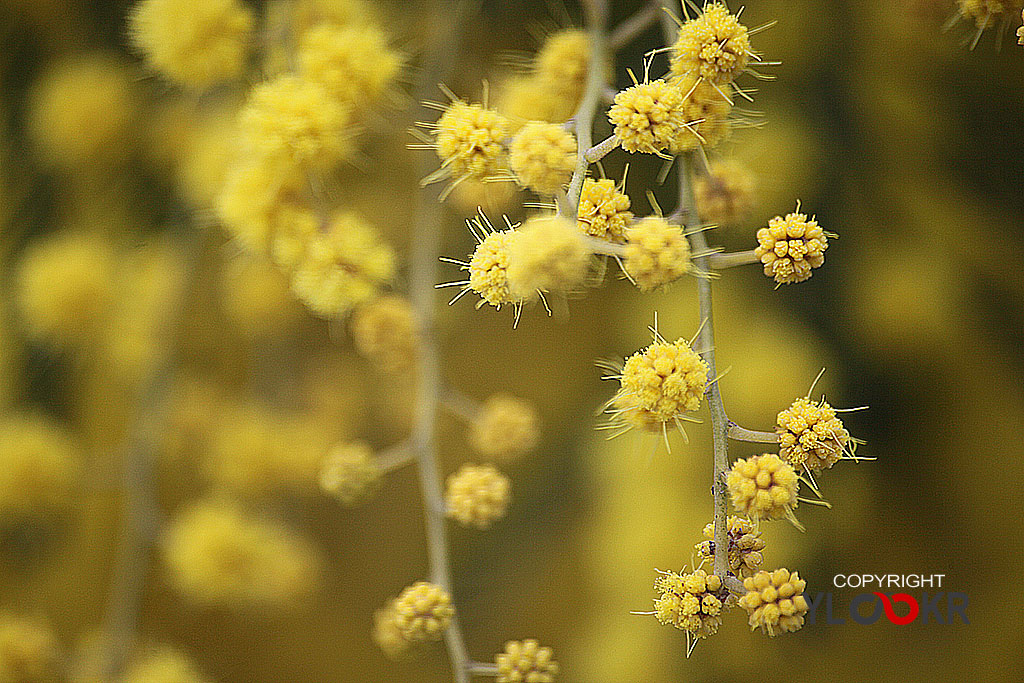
745,545
690,602
477,495
657,253
648,117
725,195
562,63
195,43
423,611
547,254
542,156
353,63
704,115
505,428
659,384
604,210
713,46
525,662
763,487
775,601
350,473
790,247
811,436
384,330
488,268
469,140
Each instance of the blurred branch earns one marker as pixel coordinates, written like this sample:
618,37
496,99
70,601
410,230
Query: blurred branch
634,25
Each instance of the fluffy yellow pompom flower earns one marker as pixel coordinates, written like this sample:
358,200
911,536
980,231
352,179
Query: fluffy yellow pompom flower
257,197
469,141
66,286
648,117
714,46
548,253
384,330
745,545
542,156
659,384
706,113
811,436
763,487
690,602
476,495
162,665
350,473
561,65
529,98
986,13
488,268
386,634
725,195
775,601
81,113
423,611
295,122
526,662
343,267
504,428
354,63
790,247
29,652
657,253
195,43
604,210
216,555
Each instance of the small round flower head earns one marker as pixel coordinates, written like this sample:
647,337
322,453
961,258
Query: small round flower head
542,157
194,44
790,247
350,473
476,495
659,384
469,139
488,266
423,611
529,98
255,199
704,113
41,466
343,267
561,64
354,63
81,112
604,210
725,195
745,545
547,254
384,330
811,436
386,634
987,13
657,253
295,122
763,487
526,662
504,428
648,117
66,288
29,651
216,555
775,601
690,602
714,46
162,665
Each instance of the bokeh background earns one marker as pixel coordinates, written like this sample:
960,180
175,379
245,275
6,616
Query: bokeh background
898,137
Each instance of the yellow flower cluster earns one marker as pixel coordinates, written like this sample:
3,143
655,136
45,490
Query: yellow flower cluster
690,602
713,46
195,43
657,253
675,115
542,156
41,466
725,195
477,495
488,268
705,111
745,545
775,601
384,330
216,555
526,662
811,436
554,84
790,247
28,650
162,665
659,384
423,611
353,62
763,487
350,473
343,266
604,210
469,140
505,428
547,254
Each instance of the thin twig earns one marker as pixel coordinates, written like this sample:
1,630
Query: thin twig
737,433
733,259
631,27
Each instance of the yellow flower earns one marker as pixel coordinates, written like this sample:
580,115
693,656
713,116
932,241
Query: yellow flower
547,254
561,65
505,427
775,601
690,602
387,634
604,210
725,195
469,141
745,545
526,662
477,495
350,473
811,436
648,117
488,267
384,330
659,384
423,611
657,253
704,111
763,487
713,46
542,157
354,63
790,247
196,43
